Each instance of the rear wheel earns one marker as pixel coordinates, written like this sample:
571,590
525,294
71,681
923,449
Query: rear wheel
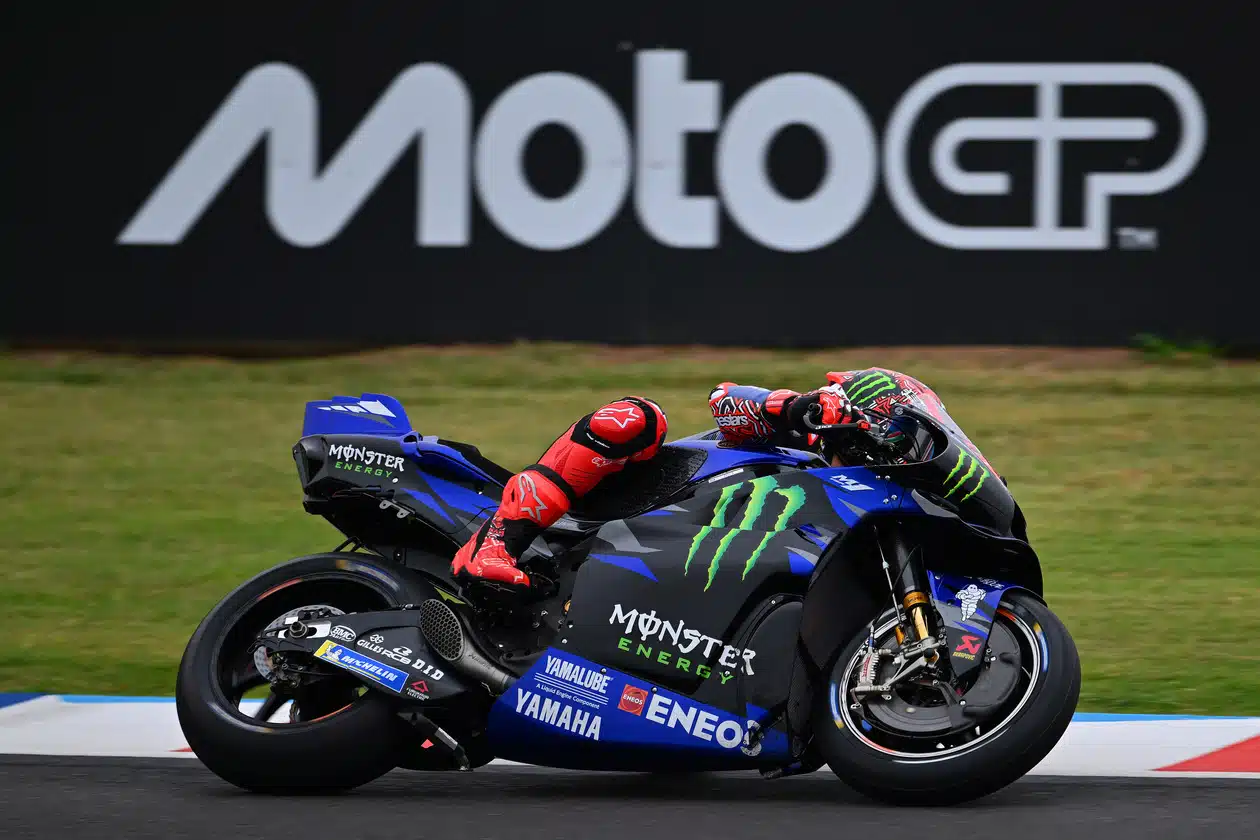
908,747
332,733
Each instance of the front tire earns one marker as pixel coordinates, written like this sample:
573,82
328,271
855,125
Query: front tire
345,736
924,771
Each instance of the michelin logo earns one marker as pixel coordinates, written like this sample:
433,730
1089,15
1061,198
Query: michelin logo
362,665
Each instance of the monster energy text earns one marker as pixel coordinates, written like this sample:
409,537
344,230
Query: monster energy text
647,626
967,467
762,488
368,461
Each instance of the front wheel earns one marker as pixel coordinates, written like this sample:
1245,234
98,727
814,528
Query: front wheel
909,747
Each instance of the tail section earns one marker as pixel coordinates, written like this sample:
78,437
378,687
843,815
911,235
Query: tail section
368,414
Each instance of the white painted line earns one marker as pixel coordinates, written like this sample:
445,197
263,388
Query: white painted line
149,727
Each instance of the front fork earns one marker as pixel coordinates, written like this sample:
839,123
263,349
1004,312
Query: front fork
907,580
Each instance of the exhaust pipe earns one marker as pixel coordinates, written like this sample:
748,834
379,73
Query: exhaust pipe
444,631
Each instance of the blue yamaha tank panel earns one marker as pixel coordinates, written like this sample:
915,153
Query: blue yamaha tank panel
570,712
856,492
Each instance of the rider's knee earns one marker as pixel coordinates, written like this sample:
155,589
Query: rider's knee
631,427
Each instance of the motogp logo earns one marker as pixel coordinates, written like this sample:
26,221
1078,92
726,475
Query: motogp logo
430,106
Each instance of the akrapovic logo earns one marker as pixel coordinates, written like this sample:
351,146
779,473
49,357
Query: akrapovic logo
429,107
791,499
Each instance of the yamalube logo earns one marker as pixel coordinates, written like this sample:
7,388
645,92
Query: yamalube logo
429,106
577,675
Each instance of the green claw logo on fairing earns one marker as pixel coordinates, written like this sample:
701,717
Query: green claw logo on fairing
971,464
762,488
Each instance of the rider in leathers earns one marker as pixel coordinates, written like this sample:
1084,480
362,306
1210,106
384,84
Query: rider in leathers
633,429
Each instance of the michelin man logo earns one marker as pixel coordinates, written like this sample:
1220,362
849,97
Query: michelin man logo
969,598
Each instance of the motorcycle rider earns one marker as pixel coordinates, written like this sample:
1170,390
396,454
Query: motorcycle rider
633,429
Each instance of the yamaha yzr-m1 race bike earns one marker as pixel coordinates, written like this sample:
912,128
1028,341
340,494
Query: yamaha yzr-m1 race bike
713,608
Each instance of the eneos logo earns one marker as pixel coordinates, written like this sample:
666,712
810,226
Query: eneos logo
633,700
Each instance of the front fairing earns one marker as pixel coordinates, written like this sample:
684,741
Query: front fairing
957,478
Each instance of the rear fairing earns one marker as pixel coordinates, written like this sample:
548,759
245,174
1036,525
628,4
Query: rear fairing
375,487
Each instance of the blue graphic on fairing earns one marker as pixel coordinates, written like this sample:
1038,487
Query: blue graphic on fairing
855,492
460,497
848,515
812,534
859,482
368,414
565,702
800,563
719,458
632,564
977,600
431,504
428,451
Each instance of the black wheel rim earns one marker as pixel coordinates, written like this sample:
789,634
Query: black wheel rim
233,672
931,738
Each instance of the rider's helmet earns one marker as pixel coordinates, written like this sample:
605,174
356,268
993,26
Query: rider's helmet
906,435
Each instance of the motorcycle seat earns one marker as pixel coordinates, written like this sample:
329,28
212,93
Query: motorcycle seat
639,485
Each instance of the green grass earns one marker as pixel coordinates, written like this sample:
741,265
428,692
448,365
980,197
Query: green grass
135,493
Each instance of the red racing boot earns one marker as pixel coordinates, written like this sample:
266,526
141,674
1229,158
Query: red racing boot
531,502
598,445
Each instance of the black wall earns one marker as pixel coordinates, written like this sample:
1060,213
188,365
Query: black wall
107,100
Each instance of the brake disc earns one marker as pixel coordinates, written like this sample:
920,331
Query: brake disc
993,686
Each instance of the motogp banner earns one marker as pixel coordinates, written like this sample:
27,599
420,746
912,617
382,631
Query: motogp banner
803,175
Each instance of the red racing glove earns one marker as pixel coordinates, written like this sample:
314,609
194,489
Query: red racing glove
836,410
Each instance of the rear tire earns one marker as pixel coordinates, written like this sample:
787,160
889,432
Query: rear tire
346,747
1014,748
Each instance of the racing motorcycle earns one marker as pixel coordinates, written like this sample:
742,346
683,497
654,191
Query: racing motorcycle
713,608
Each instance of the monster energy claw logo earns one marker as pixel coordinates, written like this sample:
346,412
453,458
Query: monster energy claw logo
762,488
965,469
869,385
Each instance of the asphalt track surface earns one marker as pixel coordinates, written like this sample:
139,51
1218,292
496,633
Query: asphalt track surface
136,799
